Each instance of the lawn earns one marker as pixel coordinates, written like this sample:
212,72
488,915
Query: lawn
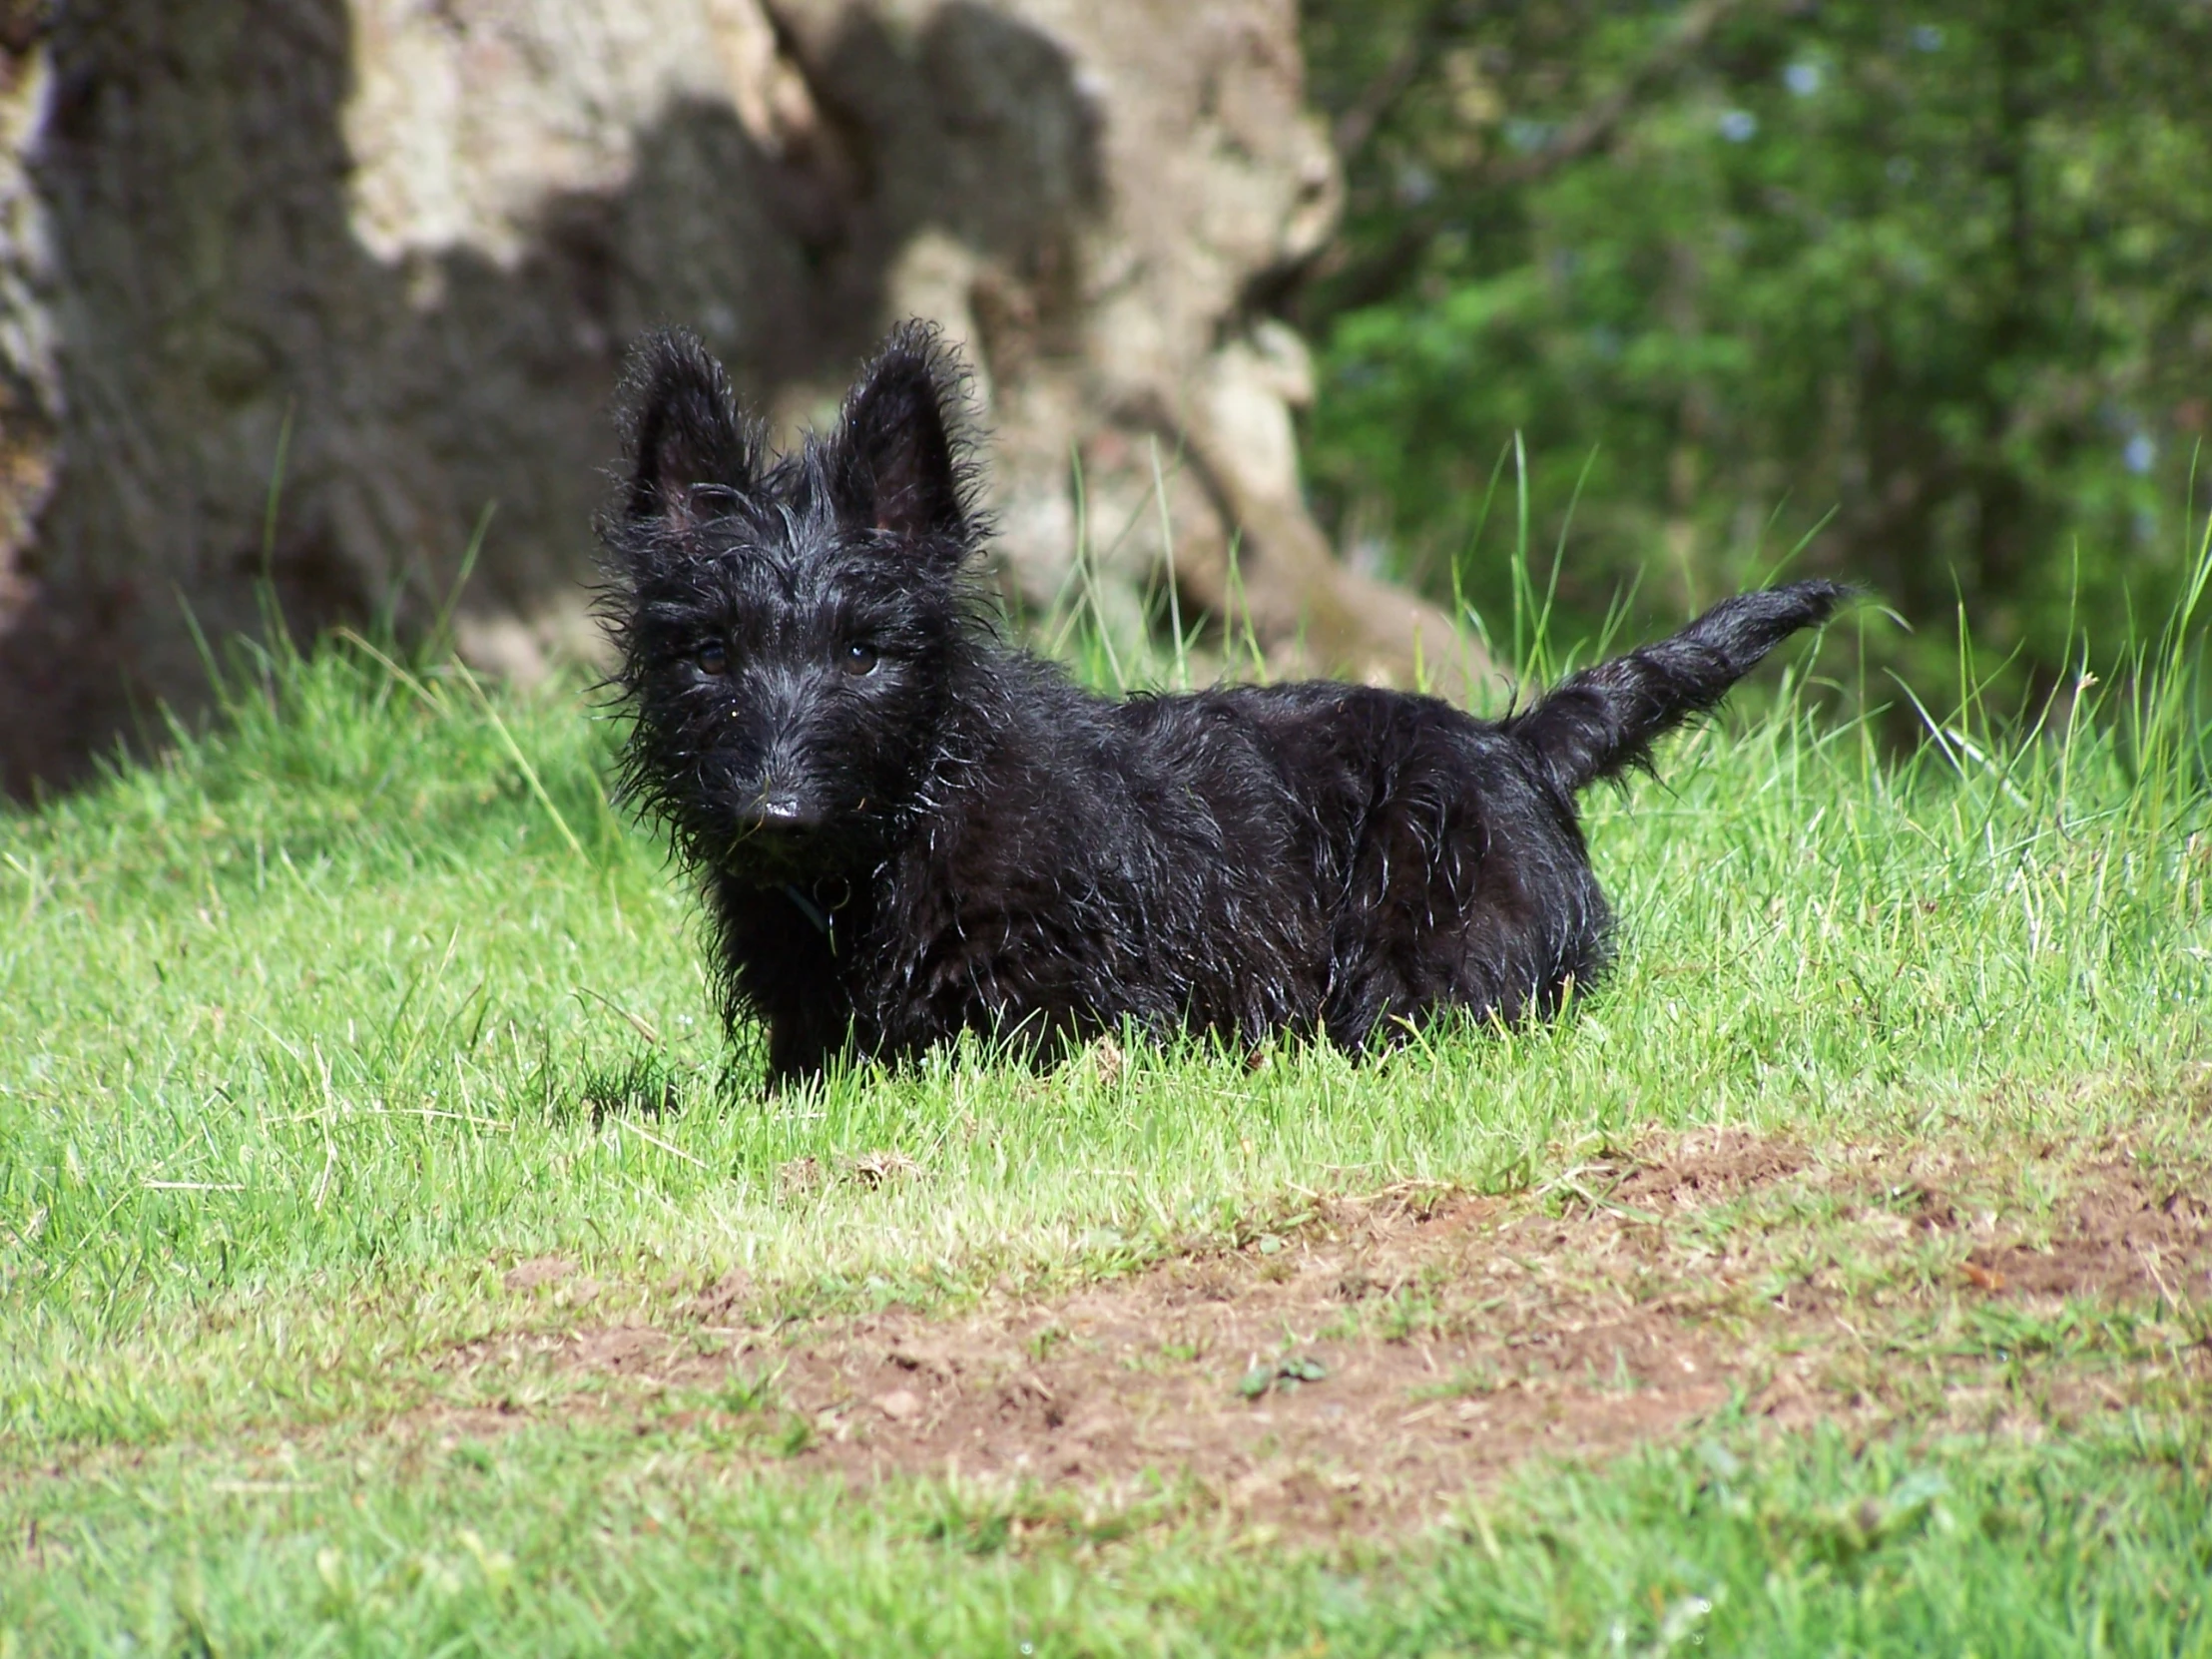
395,1258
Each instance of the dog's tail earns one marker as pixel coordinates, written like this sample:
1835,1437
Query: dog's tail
1603,720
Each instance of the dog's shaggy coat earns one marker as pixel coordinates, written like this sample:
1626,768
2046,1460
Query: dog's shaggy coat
906,828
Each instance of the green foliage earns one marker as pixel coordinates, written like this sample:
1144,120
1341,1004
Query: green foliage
1933,287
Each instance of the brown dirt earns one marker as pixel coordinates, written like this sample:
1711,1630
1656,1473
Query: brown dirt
536,1271
1452,1337
2130,1235
1706,1169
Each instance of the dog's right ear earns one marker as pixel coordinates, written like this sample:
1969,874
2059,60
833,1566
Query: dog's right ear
688,442
900,454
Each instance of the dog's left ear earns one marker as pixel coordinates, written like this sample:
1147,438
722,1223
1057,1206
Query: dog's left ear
688,442
899,467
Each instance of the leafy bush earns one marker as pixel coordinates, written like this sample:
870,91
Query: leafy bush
1929,289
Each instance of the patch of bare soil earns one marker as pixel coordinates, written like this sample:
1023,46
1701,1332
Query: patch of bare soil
1368,1368
536,1271
1704,1169
2130,1235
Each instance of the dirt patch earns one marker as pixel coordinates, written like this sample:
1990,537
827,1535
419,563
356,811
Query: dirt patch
536,1272
2128,1235
1709,1167
1370,1367
1372,1371
1367,1370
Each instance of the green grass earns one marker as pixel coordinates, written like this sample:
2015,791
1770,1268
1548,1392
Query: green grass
563,1541
313,1027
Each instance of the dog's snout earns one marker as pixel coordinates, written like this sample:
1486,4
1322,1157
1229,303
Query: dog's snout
781,800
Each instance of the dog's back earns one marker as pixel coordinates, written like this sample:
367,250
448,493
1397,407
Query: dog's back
1313,858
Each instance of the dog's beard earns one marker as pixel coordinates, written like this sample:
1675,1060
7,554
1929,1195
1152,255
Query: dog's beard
737,846
722,826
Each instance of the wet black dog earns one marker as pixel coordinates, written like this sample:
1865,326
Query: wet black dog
906,828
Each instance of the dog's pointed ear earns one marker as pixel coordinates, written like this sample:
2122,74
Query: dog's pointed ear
901,462
687,440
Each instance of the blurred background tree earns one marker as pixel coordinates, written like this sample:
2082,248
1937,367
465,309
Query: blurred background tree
1933,286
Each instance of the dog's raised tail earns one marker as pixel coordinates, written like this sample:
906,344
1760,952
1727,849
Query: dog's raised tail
1603,720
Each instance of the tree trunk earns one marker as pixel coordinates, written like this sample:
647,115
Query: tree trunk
296,293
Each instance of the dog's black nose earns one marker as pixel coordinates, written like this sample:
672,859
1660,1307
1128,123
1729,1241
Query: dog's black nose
783,813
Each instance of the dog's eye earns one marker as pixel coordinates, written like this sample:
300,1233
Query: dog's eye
713,659
859,660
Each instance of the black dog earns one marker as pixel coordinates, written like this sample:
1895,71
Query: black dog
906,828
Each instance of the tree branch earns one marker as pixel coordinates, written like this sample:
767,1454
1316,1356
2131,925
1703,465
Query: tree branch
1357,124
1590,132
